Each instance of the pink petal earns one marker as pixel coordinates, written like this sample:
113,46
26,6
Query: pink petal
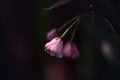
55,47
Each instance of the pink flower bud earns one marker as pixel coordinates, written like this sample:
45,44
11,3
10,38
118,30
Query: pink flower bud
52,34
55,47
71,51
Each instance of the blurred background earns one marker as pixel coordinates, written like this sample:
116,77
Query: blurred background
24,25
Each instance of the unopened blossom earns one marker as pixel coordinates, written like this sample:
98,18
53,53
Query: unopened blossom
71,51
55,47
52,34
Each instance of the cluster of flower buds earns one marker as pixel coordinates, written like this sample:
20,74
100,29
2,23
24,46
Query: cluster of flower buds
56,46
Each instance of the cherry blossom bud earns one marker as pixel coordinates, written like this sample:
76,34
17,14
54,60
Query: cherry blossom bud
71,51
55,47
52,34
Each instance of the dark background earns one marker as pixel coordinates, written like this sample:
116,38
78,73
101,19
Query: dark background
23,27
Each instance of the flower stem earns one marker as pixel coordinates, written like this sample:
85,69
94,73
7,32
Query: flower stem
57,4
59,29
109,24
74,31
69,28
